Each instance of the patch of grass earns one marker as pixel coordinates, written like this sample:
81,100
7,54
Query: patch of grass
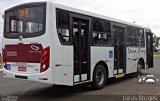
0,60
156,53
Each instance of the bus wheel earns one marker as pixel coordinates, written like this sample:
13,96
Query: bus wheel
139,69
99,77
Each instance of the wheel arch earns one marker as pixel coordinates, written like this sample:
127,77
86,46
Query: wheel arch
105,65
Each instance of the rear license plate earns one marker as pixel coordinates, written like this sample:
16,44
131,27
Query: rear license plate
22,69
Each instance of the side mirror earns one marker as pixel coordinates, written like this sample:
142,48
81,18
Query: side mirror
2,16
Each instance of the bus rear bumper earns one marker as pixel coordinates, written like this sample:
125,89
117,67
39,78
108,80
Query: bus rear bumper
45,77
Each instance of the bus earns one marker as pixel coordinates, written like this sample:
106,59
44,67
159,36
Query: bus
55,44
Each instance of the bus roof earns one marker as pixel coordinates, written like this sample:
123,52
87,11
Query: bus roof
84,12
96,15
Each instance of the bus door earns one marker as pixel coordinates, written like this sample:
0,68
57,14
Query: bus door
119,49
149,45
80,38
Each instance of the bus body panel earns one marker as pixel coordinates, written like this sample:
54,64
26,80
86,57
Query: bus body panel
133,56
45,41
63,66
102,54
37,77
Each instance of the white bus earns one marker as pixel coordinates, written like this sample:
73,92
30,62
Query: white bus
51,43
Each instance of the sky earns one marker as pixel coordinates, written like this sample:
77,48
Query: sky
142,12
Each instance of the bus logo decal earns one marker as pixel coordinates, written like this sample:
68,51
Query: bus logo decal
20,38
34,47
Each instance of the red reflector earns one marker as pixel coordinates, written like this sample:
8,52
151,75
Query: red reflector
23,69
65,74
57,65
43,78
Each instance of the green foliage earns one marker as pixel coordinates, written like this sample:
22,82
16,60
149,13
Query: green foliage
156,53
0,60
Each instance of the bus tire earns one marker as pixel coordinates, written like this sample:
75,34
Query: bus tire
99,77
139,68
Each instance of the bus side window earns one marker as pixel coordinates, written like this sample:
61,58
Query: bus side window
63,35
135,36
63,26
132,33
101,32
141,41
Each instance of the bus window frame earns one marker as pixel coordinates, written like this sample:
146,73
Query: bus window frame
137,28
69,27
92,31
10,35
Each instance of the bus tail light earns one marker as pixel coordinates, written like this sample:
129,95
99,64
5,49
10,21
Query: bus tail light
45,59
4,58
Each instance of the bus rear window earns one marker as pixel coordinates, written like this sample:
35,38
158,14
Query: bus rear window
25,21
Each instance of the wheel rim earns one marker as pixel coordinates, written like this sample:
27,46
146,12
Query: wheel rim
139,70
99,77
